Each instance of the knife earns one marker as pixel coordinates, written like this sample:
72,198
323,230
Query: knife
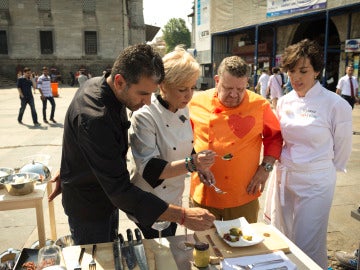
214,247
117,253
140,251
196,238
125,250
132,258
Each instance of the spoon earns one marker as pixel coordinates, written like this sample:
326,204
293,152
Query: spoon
218,190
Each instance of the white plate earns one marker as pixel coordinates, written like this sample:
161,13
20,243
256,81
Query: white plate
223,227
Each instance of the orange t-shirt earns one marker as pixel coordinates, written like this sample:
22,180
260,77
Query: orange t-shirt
240,131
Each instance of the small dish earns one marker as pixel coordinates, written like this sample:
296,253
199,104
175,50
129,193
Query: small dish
26,255
223,227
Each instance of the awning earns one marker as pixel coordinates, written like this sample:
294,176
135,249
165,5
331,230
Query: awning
150,32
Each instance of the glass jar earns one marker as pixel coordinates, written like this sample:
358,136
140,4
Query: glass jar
201,254
49,256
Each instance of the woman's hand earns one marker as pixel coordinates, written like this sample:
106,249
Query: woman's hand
204,159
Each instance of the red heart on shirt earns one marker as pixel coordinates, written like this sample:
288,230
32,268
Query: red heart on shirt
241,126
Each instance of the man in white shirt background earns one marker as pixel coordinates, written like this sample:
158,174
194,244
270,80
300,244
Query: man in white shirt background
44,85
348,87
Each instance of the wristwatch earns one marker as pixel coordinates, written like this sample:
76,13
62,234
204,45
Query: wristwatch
267,166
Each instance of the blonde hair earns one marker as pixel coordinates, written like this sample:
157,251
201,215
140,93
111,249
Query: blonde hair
180,67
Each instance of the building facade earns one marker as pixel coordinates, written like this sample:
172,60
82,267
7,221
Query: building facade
259,34
67,35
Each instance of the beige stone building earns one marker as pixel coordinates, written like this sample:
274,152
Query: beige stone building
259,30
67,35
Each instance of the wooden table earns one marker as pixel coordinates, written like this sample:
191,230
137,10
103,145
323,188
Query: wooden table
32,200
183,259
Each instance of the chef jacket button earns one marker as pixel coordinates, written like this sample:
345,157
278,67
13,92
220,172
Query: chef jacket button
174,148
167,125
164,187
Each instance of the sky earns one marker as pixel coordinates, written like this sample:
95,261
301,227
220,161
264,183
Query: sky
159,12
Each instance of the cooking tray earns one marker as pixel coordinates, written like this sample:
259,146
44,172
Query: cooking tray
27,255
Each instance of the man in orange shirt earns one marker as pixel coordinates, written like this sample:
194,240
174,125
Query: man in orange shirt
229,119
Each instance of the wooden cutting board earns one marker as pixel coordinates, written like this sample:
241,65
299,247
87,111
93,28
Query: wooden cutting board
105,259
271,243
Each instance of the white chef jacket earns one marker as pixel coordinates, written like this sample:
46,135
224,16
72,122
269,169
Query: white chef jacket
157,132
317,133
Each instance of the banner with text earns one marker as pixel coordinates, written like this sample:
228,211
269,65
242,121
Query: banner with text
285,7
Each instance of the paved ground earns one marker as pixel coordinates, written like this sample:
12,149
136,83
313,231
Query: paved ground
18,227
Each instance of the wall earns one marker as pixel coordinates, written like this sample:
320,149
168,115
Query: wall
68,22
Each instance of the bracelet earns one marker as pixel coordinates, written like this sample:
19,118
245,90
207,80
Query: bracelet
187,159
193,165
182,217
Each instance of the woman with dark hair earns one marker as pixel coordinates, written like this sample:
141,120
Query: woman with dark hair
316,125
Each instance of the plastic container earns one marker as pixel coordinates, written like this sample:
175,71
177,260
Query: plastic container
54,89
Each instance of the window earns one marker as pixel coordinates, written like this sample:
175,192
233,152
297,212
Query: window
43,5
3,43
89,6
46,42
4,4
90,42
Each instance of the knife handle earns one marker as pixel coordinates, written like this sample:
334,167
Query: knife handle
117,255
121,239
138,235
129,235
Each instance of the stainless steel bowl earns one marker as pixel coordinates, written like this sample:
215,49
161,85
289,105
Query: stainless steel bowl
20,183
65,241
39,168
5,171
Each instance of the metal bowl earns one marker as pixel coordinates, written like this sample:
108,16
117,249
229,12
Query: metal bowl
65,241
39,168
4,171
20,183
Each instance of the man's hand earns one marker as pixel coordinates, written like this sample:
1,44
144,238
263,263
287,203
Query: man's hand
258,181
198,219
57,190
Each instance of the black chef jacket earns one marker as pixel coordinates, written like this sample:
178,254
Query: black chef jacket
94,175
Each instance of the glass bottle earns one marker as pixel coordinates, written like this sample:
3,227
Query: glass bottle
201,254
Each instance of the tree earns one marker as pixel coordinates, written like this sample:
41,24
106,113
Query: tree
175,33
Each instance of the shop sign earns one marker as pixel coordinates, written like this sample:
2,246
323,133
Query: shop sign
287,7
352,45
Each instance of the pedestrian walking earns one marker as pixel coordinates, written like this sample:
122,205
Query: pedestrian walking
44,85
24,85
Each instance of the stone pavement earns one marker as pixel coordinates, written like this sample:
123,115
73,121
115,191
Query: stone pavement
18,227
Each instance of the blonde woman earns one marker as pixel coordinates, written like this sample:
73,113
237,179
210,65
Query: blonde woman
162,139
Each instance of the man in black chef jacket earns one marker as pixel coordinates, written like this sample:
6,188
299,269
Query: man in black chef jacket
94,177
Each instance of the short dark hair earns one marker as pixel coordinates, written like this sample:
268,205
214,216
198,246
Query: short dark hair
26,69
137,61
305,48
